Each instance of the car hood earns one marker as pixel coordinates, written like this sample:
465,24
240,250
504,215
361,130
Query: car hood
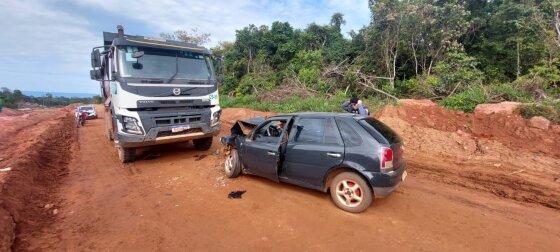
245,126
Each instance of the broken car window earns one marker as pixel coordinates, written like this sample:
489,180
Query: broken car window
271,131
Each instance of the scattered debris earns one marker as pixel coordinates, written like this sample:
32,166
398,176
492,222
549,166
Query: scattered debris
49,206
7,169
220,181
200,157
215,153
236,194
515,172
1,158
55,211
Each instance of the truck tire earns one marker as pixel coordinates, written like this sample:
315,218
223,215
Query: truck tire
350,192
232,166
203,143
126,155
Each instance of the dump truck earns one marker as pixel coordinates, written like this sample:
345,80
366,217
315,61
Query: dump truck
156,91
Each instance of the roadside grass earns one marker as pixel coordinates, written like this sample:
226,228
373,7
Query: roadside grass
317,103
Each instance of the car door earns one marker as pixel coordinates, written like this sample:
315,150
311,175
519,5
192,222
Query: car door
261,150
314,146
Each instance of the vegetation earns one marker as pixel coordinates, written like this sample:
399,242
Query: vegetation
13,99
459,53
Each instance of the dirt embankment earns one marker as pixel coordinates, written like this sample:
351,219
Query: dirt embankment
33,157
493,150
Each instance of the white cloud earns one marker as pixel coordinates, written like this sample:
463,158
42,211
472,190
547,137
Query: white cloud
39,41
222,17
45,44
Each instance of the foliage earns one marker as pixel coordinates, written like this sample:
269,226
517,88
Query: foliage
547,109
456,73
507,92
12,99
467,100
97,99
291,104
459,53
192,36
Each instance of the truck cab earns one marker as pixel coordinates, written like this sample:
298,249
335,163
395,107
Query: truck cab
156,91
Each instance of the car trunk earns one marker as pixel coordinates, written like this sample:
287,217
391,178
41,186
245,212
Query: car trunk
386,136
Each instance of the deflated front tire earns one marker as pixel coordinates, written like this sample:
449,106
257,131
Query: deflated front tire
232,166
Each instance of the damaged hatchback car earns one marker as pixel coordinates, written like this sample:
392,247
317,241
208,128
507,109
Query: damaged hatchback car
355,158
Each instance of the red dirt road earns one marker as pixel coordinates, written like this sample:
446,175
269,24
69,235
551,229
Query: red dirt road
178,201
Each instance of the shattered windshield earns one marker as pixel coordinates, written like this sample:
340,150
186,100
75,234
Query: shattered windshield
162,63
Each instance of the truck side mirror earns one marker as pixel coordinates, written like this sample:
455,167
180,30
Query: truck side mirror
95,74
95,58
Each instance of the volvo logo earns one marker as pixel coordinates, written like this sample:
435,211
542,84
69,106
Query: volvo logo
176,91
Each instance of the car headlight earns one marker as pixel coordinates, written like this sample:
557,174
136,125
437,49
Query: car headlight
216,117
130,125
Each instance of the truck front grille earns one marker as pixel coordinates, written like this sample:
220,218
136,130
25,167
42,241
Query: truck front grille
177,120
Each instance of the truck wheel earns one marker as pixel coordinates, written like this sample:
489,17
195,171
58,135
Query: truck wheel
350,192
232,166
127,155
203,143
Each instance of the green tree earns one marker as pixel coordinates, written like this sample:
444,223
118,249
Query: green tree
192,36
337,20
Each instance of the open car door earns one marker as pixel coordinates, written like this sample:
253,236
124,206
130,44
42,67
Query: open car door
262,150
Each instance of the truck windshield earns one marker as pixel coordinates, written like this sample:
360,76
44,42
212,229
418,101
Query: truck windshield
161,63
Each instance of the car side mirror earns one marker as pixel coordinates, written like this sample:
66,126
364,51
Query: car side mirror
95,58
137,54
95,74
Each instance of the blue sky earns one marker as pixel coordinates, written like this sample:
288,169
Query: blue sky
45,44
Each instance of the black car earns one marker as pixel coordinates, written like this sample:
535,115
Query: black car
354,157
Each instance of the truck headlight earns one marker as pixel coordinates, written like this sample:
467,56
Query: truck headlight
130,125
216,117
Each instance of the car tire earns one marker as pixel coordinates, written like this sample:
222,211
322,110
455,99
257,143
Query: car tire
203,143
232,166
127,155
350,192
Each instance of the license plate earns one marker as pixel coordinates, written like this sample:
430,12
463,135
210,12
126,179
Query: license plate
179,129
404,175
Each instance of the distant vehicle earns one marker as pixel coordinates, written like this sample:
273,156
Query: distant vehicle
354,157
89,110
156,91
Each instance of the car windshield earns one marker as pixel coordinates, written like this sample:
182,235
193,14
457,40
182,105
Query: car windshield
86,108
161,63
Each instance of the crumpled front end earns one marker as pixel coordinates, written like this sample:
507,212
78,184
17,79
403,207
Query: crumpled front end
240,130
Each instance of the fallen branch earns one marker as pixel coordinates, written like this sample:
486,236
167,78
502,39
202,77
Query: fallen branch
369,84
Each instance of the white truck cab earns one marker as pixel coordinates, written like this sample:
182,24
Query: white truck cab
156,91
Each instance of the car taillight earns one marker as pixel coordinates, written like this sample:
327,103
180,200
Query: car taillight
386,159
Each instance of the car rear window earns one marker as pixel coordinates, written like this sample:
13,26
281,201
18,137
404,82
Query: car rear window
350,136
381,132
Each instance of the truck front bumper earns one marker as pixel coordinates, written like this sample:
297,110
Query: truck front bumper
163,135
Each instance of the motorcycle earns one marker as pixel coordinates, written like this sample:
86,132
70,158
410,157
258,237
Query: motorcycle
81,119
